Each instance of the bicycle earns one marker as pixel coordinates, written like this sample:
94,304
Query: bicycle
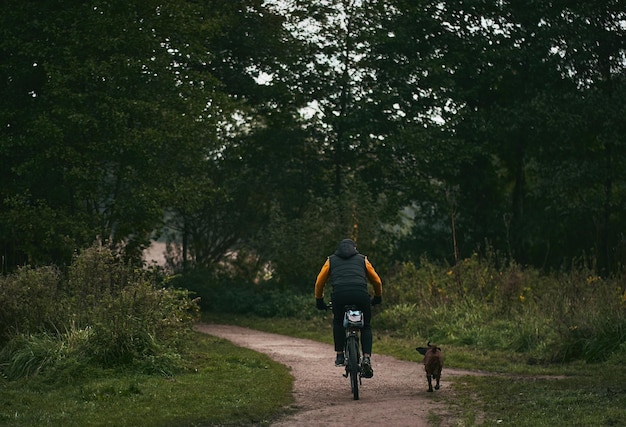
353,322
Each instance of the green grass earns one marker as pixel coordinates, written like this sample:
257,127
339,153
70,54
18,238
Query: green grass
235,386
467,357
597,399
229,386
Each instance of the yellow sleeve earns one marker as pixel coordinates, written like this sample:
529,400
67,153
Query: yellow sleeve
374,278
322,278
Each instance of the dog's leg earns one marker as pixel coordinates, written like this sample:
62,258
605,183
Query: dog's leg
430,382
437,377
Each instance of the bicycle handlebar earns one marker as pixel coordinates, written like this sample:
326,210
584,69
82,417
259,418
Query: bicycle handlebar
329,306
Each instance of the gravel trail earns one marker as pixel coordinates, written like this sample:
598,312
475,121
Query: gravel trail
396,396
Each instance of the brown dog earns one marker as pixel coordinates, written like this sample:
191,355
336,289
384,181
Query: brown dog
433,364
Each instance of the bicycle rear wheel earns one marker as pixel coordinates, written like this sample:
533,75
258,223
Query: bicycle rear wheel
353,366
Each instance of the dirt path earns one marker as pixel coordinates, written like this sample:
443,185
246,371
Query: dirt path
395,397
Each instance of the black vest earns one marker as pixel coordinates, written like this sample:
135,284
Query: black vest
348,274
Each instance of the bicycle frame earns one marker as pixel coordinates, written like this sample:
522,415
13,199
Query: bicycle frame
352,351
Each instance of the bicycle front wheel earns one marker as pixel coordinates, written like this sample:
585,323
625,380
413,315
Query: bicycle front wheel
353,366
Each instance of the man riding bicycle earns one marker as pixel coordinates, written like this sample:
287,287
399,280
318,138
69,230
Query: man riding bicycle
349,272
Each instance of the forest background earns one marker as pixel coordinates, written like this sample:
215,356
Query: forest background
476,152
251,136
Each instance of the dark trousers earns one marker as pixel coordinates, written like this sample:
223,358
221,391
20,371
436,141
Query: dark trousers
362,301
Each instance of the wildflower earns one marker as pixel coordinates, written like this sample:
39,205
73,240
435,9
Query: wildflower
592,279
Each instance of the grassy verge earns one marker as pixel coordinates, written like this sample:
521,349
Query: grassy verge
518,393
595,399
228,386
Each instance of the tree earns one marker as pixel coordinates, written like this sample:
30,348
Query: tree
444,125
581,178
497,75
102,114
224,199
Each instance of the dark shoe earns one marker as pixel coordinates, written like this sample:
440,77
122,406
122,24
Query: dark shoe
366,367
340,360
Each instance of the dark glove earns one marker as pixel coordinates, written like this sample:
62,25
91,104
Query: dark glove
377,300
320,304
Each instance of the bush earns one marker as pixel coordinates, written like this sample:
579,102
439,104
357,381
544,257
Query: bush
106,313
222,294
552,317
28,298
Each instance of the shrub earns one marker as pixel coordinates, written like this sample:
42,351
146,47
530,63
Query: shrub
223,294
553,317
413,285
28,300
106,312
129,315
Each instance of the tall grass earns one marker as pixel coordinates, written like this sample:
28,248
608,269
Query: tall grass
559,317
486,302
104,312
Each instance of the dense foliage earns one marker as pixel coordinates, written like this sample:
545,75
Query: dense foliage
253,135
485,303
103,313
480,303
